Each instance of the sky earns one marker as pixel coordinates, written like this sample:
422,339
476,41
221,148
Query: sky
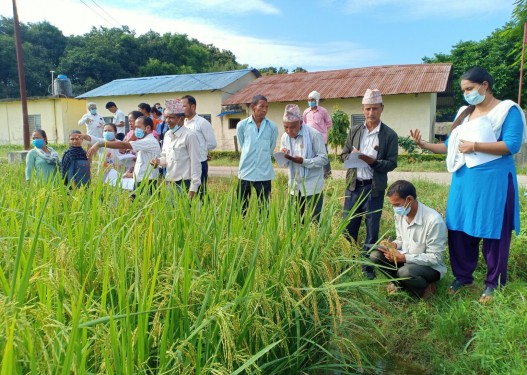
315,35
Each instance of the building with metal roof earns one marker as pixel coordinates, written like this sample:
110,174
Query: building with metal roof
411,93
209,89
170,84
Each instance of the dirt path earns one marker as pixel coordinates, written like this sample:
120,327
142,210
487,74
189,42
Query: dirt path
438,177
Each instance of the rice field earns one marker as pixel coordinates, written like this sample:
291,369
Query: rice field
92,282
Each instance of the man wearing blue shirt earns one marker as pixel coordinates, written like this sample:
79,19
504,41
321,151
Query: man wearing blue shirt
257,138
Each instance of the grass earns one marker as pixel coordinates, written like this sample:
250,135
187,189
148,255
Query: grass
91,282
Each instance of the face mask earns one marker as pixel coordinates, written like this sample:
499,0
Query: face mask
312,104
139,133
93,111
38,143
402,211
109,136
474,97
175,128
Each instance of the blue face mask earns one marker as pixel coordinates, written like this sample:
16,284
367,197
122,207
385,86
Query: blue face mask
109,136
175,128
38,143
93,111
474,97
139,133
402,211
312,104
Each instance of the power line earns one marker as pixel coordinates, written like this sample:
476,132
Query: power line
109,15
97,13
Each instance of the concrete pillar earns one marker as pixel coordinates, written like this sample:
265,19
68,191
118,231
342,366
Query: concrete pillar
17,156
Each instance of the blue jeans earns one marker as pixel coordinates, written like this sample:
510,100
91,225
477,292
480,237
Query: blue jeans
369,207
204,177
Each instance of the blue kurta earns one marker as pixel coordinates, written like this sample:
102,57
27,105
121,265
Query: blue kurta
476,201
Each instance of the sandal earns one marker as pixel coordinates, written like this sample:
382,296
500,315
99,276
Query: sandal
391,288
487,296
456,287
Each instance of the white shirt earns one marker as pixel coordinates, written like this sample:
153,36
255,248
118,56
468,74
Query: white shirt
147,149
205,133
423,240
118,117
94,126
369,144
314,181
180,155
108,157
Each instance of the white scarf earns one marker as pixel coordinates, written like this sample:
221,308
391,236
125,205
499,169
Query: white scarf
456,159
51,158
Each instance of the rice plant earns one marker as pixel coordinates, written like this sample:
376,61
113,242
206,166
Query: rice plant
94,282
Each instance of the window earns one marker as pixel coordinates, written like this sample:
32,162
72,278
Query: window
34,123
207,117
233,122
357,120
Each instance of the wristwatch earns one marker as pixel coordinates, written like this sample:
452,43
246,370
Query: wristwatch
100,143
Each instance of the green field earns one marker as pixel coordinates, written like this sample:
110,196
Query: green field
94,283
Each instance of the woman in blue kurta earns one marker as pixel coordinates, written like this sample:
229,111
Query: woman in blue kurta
483,198
42,160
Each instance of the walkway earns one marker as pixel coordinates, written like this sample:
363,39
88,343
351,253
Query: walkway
438,177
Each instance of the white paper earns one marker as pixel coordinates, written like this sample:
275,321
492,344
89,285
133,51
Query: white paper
122,157
112,178
354,161
128,183
280,159
478,130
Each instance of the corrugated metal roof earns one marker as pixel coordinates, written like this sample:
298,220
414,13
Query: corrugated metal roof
172,83
347,83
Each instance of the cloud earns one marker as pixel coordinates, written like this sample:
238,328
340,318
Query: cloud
230,7
257,52
425,8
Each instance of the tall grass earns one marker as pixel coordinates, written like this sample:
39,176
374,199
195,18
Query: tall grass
93,282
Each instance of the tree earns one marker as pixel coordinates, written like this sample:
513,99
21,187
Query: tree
42,45
271,70
339,131
499,53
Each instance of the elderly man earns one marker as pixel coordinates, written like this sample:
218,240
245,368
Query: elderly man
257,138
306,157
93,121
206,137
181,152
377,146
418,251
319,119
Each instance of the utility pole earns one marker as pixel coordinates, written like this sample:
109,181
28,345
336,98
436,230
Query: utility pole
521,68
21,76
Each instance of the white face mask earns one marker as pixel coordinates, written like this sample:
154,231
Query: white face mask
402,210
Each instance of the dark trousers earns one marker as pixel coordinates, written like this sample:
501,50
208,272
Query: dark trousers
417,277
464,249
140,187
204,178
313,203
262,188
369,207
327,167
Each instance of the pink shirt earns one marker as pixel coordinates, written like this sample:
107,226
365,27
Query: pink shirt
319,119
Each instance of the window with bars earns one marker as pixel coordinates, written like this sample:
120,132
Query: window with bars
34,123
357,119
233,122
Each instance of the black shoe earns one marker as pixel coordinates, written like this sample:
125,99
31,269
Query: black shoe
368,272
